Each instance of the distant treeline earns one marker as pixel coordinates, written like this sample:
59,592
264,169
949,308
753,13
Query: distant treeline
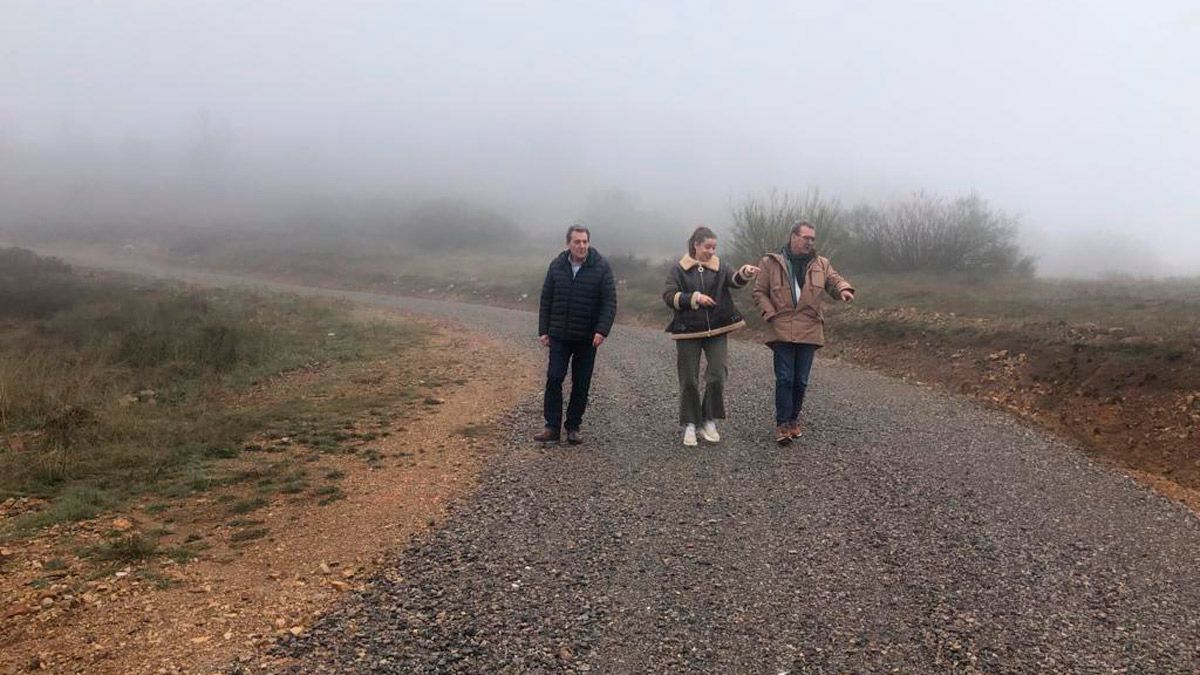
923,233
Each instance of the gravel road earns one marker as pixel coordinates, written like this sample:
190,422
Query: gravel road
906,532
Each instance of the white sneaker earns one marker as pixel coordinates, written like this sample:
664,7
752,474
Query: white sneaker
689,435
709,432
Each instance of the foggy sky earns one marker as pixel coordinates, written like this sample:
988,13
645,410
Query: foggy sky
1081,117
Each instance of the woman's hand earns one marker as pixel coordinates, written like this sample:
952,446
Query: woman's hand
705,301
748,271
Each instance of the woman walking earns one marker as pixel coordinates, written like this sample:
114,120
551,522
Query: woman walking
698,289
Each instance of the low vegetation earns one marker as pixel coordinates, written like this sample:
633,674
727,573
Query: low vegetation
111,388
1112,362
945,293
923,233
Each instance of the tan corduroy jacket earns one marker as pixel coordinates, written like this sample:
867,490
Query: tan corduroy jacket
791,318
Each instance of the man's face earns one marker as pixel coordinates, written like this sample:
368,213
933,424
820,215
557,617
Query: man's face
804,242
578,246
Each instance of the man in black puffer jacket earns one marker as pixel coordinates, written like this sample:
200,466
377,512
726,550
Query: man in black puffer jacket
579,303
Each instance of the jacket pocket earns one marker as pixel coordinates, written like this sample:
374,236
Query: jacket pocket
817,279
781,297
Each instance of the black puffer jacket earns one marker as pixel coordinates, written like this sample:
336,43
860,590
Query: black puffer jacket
691,277
576,307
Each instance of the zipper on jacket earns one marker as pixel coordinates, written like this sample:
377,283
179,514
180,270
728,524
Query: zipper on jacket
707,313
571,293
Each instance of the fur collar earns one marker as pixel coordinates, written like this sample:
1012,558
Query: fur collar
687,262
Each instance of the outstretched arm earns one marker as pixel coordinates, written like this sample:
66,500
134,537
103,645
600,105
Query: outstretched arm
837,286
742,276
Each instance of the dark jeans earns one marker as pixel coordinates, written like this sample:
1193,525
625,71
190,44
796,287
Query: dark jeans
793,362
581,356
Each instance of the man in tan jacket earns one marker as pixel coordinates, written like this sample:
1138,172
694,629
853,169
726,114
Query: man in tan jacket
788,292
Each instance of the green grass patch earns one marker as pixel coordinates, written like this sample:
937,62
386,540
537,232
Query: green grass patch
328,494
113,388
127,549
221,452
244,522
249,534
74,503
293,487
181,554
157,579
243,506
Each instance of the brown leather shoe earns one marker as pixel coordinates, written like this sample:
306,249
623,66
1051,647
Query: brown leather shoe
783,434
795,430
573,437
547,435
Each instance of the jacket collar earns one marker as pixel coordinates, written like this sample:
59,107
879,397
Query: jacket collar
592,255
785,251
687,262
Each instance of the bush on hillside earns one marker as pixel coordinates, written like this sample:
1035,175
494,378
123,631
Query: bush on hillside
762,224
924,233
33,287
931,234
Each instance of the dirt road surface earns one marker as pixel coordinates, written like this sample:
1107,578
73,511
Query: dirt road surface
907,531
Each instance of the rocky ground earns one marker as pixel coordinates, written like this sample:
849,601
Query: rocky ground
249,580
906,532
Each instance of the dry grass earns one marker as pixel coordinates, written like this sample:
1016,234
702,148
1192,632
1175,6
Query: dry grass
121,388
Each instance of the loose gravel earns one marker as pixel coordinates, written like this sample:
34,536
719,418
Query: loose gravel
907,531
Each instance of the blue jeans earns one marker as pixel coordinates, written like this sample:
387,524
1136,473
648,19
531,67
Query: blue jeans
793,362
581,356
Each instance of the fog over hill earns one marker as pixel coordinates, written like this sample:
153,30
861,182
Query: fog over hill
642,119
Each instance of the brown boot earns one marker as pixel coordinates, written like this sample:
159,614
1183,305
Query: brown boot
547,435
573,437
795,430
783,434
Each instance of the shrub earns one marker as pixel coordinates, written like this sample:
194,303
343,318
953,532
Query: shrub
219,347
128,549
763,224
930,233
33,287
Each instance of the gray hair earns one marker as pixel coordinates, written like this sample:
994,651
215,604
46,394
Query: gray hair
802,223
578,228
